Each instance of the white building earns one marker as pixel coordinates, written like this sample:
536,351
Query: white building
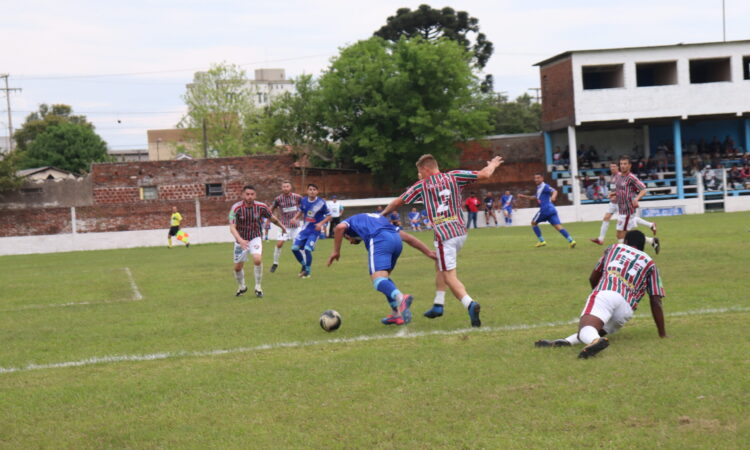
269,84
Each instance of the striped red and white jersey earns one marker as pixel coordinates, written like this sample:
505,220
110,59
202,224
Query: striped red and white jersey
288,204
249,218
441,195
629,272
626,189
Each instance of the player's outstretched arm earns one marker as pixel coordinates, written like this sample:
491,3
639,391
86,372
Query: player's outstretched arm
658,313
338,236
489,169
392,206
416,243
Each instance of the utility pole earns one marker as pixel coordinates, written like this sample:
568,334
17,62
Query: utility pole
7,101
205,139
724,20
536,94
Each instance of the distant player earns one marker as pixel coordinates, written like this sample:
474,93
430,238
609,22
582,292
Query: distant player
546,197
629,190
174,228
612,209
441,194
314,212
245,221
414,220
288,205
507,204
383,243
489,211
620,279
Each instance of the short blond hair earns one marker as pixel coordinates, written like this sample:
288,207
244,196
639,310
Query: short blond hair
428,161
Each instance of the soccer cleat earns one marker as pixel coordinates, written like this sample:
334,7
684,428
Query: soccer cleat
597,241
403,308
555,343
259,293
656,245
435,311
653,228
240,291
474,314
307,272
274,267
540,244
392,320
572,244
593,348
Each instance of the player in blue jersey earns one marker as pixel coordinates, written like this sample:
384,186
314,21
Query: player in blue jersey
546,197
507,205
383,243
314,214
414,220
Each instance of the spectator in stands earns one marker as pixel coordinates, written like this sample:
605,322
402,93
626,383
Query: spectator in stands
566,154
703,147
710,181
593,155
729,146
602,190
692,147
734,176
582,156
557,155
660,159
745,173
588,186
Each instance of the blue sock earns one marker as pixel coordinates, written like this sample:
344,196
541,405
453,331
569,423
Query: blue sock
308,257
538,233
565,234
298,255
389,289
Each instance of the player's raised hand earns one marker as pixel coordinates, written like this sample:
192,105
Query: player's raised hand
496,161
334,257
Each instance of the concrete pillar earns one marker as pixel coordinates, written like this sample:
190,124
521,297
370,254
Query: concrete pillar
746,121
574,181
677,129
646,142
197,212
73,225
548,147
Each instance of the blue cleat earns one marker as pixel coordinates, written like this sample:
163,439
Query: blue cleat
403,308
474,314
435,311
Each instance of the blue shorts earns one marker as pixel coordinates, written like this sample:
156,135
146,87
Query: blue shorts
509,209
546,216
383,251
307,238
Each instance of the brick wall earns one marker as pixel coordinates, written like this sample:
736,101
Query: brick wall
558,109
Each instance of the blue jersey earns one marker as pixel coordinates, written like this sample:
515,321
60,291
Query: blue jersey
366,226
413,217
507,201
313,212
543,194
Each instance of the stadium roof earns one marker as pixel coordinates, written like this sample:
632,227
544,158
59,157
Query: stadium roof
570,52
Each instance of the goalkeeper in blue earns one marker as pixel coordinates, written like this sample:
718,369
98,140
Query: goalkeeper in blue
384,244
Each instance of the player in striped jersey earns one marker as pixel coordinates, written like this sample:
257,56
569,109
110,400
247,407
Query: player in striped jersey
629,190
245,224
441,194
621,277
546,197
288,203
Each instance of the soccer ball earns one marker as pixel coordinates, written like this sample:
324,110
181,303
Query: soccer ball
330,320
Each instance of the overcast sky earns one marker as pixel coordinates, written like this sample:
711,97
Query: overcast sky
125,64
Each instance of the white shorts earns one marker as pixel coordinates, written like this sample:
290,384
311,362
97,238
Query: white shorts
290,235
255,248
610,307
626,222
612,208
447,252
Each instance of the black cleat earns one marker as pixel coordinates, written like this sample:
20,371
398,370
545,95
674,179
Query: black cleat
434,312
474,309
240,291
259,293
656,245
555,343
274,267
593,348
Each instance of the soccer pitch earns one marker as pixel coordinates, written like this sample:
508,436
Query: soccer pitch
148,347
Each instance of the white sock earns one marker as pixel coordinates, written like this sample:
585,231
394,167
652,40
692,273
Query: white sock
588,334
573,339
258,276
439,298
276,254
646,223
240,277
650,241
603,230
466,301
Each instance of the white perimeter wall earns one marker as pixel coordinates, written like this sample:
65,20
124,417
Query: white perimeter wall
20,245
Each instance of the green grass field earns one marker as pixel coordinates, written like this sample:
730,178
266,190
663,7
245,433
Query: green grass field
190,365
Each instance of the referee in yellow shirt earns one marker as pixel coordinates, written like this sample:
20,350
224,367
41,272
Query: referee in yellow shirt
174,228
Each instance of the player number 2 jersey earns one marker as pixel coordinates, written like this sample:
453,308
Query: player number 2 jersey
441,194
629,272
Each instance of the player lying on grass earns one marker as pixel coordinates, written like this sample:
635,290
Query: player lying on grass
620,279
383,243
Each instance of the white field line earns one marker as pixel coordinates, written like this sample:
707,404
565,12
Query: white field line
401,334
134,287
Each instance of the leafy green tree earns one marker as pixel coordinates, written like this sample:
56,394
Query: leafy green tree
433,24
68,146
8,168
387,103
37,122
221,101
520,116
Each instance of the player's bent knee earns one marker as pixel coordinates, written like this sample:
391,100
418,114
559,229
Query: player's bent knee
376,282
308,248
295,247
